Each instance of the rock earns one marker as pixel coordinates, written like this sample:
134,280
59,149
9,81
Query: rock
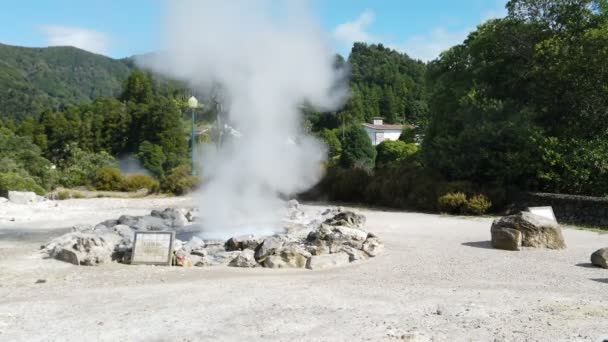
317,250
354,254
23,197
600,257
506,238
536,231
242,242
319,262
289,256
268,247
335,237
294,212
372,246
173,217
181,259
194,244
40,281
217,258
244,259
127,220
346,218
82,248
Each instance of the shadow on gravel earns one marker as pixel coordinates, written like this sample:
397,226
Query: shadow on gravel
600,280
586,265
479,244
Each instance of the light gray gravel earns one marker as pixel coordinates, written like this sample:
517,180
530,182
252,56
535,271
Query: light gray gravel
436,280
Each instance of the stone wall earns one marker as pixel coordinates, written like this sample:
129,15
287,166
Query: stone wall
570,209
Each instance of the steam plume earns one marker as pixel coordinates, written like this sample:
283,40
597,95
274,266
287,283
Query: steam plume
268,58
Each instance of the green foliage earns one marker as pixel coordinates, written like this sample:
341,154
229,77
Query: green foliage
408,135
478,205
357,149
453,203
179,181
109,179
398,151
138,88
385,83
17,182
152,158
140,181
33,79
19,155
331,140
80,168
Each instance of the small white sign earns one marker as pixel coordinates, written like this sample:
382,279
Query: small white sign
152,248
546,212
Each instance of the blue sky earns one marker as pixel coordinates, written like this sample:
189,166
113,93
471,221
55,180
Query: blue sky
421,28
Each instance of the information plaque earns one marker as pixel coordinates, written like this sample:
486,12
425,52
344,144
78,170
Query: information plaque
152,248
546,212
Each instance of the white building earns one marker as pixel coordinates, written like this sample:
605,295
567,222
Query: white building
378,131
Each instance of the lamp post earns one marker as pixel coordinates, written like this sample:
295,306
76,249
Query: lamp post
192,104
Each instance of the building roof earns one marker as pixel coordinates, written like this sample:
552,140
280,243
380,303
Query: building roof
384,127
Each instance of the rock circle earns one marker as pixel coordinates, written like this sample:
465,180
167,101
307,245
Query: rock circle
333,238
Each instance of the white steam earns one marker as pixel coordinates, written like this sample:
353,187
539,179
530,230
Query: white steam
268,58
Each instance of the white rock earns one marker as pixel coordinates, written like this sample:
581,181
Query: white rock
23,197
244,259
319,262
372,246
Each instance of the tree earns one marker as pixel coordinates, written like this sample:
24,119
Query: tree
357,149
330,138
152,158
138,88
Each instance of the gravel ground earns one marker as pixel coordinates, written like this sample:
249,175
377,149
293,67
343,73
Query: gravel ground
438,280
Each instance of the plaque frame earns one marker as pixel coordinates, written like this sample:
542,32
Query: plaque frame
169,258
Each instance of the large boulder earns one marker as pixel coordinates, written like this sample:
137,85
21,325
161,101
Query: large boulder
600,257
534,231
23,197
319,262
81,248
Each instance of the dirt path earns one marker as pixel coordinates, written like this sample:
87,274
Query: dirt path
437,280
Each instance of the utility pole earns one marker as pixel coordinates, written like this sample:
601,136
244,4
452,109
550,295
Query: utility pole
192,104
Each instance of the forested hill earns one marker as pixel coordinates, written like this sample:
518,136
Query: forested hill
32,79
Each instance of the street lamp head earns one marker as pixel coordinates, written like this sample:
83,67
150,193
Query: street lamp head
192,102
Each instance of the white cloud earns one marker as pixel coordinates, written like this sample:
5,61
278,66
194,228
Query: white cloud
428,46
355,31
82,38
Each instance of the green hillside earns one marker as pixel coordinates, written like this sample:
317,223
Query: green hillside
35,78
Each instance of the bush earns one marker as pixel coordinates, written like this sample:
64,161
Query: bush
109,179
390,151
81,167
63,195
179,181
453,203
140,181
16,182
478,205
